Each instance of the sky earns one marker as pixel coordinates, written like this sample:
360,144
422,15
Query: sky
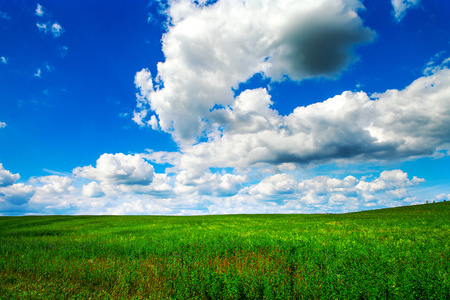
184,107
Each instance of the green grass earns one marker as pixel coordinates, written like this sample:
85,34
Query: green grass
399,253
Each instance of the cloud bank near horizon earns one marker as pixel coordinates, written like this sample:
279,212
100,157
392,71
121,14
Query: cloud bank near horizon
210,193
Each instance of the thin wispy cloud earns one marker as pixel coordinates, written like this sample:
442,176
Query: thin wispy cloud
401,6
64,50
39,10
46,23
38,73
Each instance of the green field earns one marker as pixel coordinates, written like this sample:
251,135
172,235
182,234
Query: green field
398,253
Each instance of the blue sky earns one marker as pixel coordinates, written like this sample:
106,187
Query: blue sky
211,107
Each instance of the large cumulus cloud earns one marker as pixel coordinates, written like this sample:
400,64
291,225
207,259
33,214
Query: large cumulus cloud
209,50
118,169
396,124
6,177
16,194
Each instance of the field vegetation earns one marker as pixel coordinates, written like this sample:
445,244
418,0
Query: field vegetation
398,253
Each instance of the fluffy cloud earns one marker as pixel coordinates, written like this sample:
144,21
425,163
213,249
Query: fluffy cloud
397,124
53,195
400,7
119,169
12,194
282,193
2,125
274,185
55,184
209,50
219,185
3,60
348,192
188,192
56,30
6,177
16,194
93,190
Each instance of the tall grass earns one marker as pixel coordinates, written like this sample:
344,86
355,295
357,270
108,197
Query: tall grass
400,253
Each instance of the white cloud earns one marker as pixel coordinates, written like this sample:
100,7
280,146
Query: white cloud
437,62
442,197
160,187
53,194
353,194
12,194
54,184
274,185
249,156
57,30
3,60
188,193
16,194
37,73
93,190
42,27
392,180
6,177
2,125
47,24
39,10
219,185
119,169
282,193
209,50
400,7
397,124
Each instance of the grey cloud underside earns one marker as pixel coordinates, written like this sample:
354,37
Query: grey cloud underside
336,152
323,49
17,194
351,126
6,177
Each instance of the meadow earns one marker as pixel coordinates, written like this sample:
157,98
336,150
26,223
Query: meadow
397,253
